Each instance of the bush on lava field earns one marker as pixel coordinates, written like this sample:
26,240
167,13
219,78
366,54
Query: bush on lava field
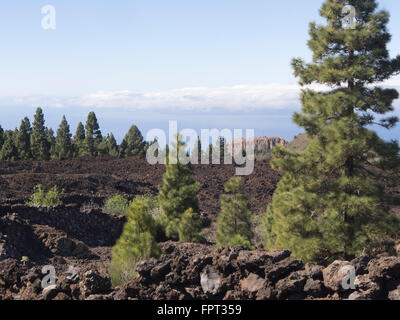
116,205
40,198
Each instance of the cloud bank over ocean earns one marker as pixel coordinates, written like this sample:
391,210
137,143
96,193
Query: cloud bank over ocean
267,108
272,96
234,98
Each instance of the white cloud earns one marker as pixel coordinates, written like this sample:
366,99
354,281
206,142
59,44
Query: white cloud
235,98
241,97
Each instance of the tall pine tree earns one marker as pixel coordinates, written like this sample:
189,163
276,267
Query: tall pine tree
330,203
93,135
133,143
112,146
40,147
9,151
51,140
24,140
63,147
79,140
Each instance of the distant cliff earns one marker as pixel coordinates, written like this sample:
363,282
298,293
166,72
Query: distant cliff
261,145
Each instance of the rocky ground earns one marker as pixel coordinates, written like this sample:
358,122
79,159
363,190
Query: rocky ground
76,239
86,179
78,245
89,182
237,274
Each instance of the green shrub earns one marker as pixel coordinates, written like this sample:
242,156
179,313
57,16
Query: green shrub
116,205
40,198
136,243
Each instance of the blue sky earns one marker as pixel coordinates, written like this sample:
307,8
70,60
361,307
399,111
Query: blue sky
205,63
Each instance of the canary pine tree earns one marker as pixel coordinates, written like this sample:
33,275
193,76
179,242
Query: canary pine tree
112,146
134,143
24,140
9,151
93,135
329,203
40,146
136,243
179,191
51,141
234,220
63,146
79,140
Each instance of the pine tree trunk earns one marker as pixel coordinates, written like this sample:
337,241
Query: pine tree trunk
349,168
